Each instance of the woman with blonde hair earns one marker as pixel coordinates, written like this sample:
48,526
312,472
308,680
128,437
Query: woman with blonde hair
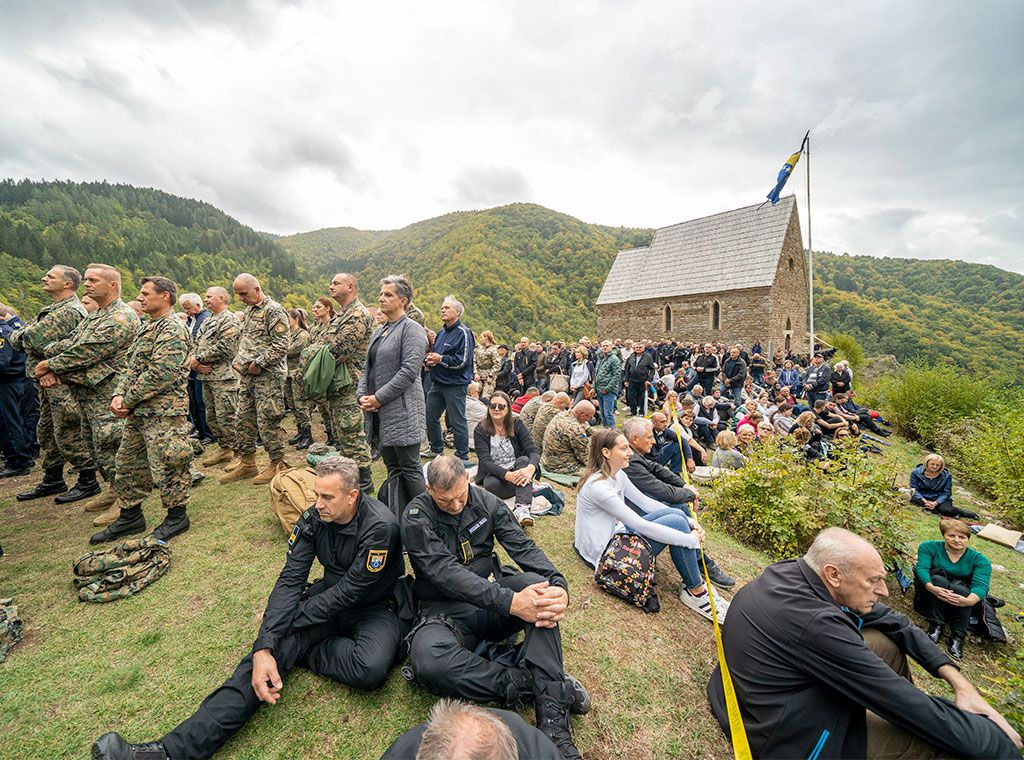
601,508
727,455
931,487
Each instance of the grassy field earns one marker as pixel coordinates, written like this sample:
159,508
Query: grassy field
141,665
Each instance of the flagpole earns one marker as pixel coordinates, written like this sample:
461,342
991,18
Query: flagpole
810,249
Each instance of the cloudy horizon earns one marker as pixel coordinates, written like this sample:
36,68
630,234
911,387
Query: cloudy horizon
294,116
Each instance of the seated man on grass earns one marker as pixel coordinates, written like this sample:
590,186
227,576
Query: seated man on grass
820,667
341,627
566,439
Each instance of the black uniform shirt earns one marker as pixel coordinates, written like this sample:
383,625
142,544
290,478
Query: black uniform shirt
362,561
453,555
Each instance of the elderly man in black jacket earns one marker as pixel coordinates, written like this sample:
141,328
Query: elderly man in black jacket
449,533
734,375
811,652
818,380
638,372
661,484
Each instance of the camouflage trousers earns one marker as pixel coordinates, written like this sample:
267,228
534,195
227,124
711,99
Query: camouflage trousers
60,429
100,428
260,410
321,405
347,420
154,451
487,380
296,399
221,400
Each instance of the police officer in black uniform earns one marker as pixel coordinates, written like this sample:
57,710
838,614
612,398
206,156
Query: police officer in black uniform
19,408
343,627
449,533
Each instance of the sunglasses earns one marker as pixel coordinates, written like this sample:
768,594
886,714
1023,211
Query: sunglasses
499,407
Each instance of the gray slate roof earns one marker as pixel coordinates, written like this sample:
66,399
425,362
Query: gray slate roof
728,251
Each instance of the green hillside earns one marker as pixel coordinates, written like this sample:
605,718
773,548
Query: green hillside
519,269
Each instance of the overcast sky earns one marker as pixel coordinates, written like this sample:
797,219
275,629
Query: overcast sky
293,116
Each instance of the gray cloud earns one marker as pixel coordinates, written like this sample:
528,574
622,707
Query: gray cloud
479,186
96,79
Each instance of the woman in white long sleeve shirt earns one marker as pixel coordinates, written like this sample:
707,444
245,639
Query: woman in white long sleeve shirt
601,511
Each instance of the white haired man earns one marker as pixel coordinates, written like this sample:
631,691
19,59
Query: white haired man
451,371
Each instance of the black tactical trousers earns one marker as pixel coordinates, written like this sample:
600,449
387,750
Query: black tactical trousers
448,667
357,649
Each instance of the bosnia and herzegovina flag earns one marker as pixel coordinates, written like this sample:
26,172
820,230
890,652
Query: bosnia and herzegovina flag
785,171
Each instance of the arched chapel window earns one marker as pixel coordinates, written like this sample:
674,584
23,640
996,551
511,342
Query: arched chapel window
716,316
668,318
791,264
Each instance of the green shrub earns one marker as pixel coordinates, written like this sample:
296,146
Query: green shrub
847,347
778,502
1006,692
922,399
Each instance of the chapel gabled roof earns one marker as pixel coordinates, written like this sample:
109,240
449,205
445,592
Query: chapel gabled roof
732,250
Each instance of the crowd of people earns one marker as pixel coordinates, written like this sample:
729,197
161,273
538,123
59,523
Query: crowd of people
131,391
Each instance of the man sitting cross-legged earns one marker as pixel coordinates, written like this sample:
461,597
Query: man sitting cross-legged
656,481
449,532
340,627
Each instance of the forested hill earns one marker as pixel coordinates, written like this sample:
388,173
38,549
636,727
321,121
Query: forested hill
520,269
139,230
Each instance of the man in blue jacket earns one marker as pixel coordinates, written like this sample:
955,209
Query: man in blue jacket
19,408
451,371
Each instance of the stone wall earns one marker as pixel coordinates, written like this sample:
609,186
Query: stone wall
789,293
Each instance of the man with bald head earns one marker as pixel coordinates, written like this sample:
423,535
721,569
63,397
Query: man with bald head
261,361
566,440
90,361
820,670
216,345
348,336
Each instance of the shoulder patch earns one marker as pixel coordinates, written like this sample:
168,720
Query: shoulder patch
280,327
376,559
413,511
120,318
294,536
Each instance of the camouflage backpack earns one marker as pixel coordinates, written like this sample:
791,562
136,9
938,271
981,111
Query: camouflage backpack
10,627
124,570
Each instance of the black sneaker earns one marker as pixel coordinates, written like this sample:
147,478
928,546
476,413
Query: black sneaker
112,746
935,633
956,647
719,577
121,527
171,527
15,472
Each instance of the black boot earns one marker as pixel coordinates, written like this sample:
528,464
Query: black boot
717,575
580,704
86,486
956,647
935,632
172,526
16,472
130,522
552,708
366,481
295,438
53,483
112,746
305,439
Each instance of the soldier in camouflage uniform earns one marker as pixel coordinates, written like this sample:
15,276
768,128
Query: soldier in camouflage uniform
348,336
566,441
261,361
529,411
216,345
152,399
60,425
323,312
298,341
547,412
413,312
90,362
487,362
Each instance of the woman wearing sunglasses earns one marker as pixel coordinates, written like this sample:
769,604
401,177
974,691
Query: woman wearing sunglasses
508,456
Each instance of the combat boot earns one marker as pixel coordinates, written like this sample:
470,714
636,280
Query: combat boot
305,439
217,457
86,486
124,525
552,710
366,481
236,459
171,527
275,466
52,484
101,502
247,468
112,746
296,438
109,516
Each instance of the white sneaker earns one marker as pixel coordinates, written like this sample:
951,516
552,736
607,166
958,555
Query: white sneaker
522,513
702,604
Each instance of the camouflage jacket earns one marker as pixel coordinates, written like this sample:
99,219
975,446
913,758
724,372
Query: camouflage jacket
541,420
297,342
56,321
98,347
413,312
487,360
348,335
264,338
155,381
565,443
216,344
